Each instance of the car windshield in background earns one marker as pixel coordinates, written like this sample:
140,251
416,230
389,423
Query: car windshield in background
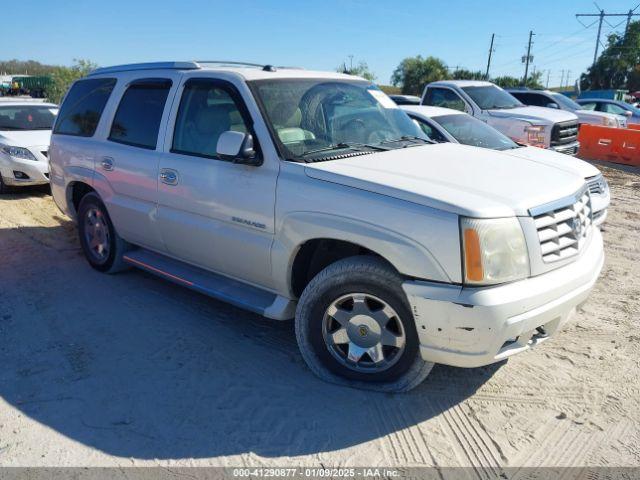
491,97
27,117
471,131
318,118
566,101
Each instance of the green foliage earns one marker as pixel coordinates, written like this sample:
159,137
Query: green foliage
390,89
464,74
63,77
534,81
360,70
25,67
618,66
414,73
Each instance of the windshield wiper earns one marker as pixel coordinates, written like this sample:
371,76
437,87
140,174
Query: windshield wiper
407,138
343,146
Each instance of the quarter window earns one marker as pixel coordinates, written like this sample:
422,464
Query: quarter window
83,106
443,97
137,120
207,110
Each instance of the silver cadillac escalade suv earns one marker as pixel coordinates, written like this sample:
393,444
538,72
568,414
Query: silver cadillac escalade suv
311,195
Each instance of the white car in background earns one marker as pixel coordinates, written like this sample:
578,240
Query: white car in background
548,99
447,125
25,132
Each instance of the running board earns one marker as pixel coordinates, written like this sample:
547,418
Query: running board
217,286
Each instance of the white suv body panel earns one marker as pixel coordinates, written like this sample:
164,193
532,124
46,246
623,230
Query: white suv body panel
248,223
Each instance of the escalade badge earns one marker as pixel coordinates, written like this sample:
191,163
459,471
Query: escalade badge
576,226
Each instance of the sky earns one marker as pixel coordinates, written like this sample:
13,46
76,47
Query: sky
318,35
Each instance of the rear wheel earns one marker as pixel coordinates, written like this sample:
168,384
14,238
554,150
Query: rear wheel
354,326
102,246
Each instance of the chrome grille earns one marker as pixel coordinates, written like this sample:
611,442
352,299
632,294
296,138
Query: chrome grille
563,230
564,132
596,185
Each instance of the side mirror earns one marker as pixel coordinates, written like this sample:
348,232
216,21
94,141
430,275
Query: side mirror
238,148
628,113
552,105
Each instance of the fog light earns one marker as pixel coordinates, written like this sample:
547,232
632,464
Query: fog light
20,175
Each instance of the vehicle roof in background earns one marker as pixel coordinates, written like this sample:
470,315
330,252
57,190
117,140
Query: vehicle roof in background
462,83
431,112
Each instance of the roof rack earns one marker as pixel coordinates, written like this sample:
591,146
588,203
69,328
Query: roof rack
146,66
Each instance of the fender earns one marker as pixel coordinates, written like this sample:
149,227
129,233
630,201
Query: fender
408,256
63,195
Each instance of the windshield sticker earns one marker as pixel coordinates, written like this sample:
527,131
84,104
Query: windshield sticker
382,98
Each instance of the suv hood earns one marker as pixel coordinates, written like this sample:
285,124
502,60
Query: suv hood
456,178
25,138
538,115
555,159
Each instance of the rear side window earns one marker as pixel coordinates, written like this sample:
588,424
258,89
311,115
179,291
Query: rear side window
443,97
83,106
137,120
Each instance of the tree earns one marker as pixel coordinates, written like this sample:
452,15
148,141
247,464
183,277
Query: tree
63,77
464,74
534,81
415,72
618,65
360,70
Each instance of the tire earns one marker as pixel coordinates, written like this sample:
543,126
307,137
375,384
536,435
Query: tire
3,187
103,248
360,297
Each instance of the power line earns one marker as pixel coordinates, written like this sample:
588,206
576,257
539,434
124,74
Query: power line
602,18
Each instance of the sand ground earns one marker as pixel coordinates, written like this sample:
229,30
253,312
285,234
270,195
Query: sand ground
123,370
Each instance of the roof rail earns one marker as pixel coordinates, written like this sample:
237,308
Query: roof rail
229,63
146,66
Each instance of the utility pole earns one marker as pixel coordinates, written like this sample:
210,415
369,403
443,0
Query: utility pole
486,75
602,16
566,81
528,59
562,78
548,74
351,63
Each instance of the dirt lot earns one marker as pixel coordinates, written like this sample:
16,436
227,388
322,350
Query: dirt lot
131,370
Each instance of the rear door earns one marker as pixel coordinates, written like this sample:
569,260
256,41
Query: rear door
127,158
214,213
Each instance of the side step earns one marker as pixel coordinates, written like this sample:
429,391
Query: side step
217,286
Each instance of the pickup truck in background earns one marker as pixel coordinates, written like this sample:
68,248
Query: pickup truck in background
535,126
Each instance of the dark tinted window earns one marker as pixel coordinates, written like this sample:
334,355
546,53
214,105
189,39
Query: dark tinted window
207,110
534,99
137,120
443,97
429,130
83,106
23,117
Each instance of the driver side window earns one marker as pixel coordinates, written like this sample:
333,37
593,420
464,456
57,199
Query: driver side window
207,109
443,97
429,130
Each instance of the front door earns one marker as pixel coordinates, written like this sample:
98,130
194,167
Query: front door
214,213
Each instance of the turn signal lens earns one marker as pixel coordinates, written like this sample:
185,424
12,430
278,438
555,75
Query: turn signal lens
472,256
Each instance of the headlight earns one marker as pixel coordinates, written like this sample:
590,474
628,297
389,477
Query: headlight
18,152
609,122
535,135
494,250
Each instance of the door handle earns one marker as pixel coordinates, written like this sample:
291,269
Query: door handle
107,163
168,176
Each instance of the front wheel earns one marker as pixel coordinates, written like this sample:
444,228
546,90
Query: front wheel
354,327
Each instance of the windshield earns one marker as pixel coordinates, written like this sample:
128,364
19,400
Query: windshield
471,131
491,97
313,119
27,117
566,102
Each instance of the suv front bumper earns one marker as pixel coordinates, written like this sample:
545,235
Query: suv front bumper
471,327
